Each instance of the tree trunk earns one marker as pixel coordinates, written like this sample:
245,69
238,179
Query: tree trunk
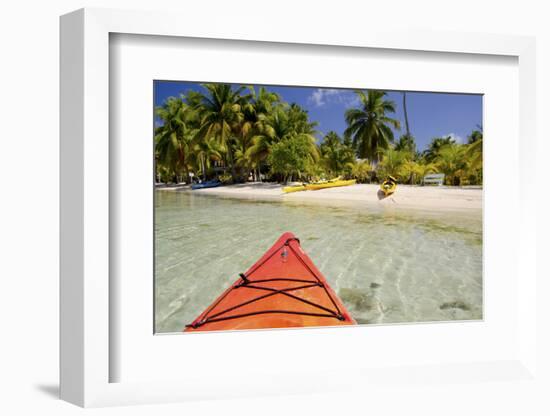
405,113
203,168
187,177
233,170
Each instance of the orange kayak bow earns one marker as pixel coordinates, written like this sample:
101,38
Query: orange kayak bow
283,289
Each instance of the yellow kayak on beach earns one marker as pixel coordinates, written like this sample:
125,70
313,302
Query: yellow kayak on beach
294,188
314,186
329,184
389,185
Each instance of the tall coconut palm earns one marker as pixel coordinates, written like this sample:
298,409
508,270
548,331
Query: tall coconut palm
256,112
298,120
407,130
264,101
370,126
221,115
406,141
173,138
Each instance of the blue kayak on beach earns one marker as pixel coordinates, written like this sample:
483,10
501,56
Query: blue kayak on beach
208,184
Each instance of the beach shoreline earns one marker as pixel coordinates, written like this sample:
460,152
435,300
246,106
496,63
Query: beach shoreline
406,197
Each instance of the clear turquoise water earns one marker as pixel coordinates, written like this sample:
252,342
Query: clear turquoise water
387,267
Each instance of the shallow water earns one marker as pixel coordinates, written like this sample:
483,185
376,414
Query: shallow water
386,266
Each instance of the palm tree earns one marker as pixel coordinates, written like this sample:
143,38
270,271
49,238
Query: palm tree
298,119
407,130
221,116
451,161
392,162
174,136
264,101
337,156
435,145
406,143
369,125
414,170
205,151
256,112
475,136
362,171
474,153
475,149
283,123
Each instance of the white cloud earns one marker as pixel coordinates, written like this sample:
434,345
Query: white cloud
322,96
457,139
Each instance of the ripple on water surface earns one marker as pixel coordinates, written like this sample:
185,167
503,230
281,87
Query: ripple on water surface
387,267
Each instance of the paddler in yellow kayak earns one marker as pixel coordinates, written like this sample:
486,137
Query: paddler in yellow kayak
389,185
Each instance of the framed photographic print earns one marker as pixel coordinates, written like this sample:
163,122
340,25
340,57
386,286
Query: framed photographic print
284,208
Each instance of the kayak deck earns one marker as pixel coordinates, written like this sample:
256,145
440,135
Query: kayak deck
204,185
295,188
388,187
283,289
319,185
333,184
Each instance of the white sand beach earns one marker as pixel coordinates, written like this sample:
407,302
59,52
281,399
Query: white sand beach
426,198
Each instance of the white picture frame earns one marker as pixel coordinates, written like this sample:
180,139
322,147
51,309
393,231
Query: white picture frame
86,356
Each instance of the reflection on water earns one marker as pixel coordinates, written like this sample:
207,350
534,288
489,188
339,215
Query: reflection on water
386,267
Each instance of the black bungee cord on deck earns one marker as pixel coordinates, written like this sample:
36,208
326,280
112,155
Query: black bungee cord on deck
250,284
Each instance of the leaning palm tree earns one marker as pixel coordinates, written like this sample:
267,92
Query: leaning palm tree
221,115
370,126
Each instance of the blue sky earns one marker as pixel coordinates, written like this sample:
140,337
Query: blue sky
430,114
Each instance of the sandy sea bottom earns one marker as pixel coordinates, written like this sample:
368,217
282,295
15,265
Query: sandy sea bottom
386,266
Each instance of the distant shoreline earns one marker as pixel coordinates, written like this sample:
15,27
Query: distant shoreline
407,197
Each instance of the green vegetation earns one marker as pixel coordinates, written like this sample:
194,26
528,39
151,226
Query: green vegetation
242,134
294,157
